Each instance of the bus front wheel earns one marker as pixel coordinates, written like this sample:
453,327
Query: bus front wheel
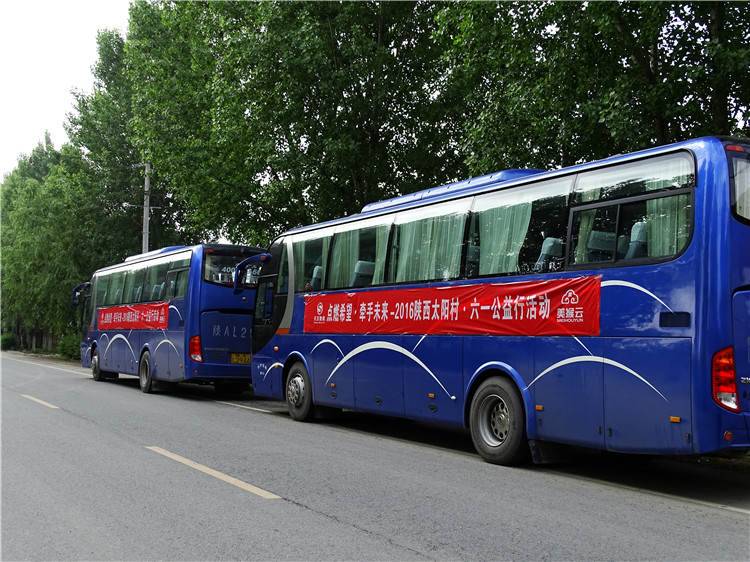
299,394
96,368
144,373
497,422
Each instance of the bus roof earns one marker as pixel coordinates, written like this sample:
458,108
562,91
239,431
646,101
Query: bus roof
433,192
154,253
238,249
241,249
489,181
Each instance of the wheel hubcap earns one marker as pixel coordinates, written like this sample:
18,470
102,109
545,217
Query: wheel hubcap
295,390
495,420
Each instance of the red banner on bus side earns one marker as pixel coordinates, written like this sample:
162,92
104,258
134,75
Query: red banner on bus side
534,308
150,316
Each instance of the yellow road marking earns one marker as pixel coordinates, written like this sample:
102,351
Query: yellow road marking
42,402
216,474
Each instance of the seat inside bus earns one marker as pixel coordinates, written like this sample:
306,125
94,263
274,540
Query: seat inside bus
638,247
363,274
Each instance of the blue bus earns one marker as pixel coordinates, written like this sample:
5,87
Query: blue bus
604,306
169,316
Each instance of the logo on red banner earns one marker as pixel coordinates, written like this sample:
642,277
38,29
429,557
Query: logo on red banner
152,316
536,308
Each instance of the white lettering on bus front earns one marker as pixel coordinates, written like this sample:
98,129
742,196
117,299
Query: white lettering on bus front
217,330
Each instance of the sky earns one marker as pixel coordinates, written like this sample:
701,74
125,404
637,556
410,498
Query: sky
47,49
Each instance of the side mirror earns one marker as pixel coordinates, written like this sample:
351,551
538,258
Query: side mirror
245,264
76,296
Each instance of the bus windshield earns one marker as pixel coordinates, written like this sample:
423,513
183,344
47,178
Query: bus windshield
218,268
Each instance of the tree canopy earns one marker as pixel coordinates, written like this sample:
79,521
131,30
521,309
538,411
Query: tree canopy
257,117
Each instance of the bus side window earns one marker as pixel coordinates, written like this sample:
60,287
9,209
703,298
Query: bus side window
358,257
429,243
101,283
182,283
472,249
664,229
171,285
655,228
310,257
116,284
282,282
177,282
153,286
545,239
134,284
594,234
519,231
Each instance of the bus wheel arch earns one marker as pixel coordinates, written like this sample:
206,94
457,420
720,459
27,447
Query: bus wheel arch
96,366
297,389
497,417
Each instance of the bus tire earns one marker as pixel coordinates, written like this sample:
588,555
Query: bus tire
144,373
298,393
96,368
497,422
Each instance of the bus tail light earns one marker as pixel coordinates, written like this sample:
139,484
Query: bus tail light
724,379
195,349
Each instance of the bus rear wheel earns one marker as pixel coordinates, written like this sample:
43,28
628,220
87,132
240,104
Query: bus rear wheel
497,423
298,394
144,373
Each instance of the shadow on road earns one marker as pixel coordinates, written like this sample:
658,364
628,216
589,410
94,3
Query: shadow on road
710,480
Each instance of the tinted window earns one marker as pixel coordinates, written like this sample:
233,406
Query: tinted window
428,243
672,171
358,256
310,259
646,223
519,230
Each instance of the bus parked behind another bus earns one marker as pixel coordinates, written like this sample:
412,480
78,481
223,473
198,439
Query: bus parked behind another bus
605,305
169,316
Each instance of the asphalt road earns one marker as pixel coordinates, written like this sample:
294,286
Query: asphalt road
99,471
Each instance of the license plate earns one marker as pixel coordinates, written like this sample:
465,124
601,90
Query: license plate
241,358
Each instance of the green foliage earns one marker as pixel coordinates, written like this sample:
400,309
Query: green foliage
262,116
555,83
101,129
68,212
8,341
271,115
69,346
